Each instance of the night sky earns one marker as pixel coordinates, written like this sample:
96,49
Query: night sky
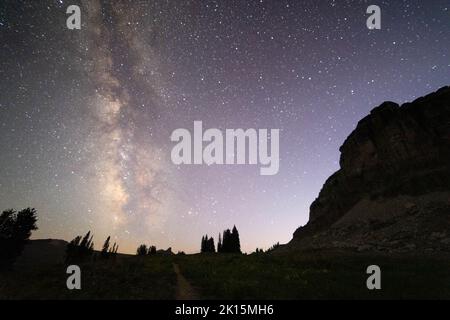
86,115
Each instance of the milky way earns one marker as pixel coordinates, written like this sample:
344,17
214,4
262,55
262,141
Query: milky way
86,115
128,166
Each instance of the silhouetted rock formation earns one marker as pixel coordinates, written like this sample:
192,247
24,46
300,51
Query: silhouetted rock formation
167,252
393,189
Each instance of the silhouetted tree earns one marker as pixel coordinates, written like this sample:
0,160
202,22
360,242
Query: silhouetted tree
236,240
112,252
211,246
207,245
80,248
86,244
229,242
91,247
203,245
85,241
141,250
152,250
275,246
15,231
219,244
90,244
104,253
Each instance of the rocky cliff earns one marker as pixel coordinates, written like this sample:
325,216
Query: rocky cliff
392,191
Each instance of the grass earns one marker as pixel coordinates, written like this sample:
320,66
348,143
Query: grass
128,277
316,276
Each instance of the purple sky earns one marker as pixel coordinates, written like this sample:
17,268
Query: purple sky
86,115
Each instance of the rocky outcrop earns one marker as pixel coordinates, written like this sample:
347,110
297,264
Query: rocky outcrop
393,188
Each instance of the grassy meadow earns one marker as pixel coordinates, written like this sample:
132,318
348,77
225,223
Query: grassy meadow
314,275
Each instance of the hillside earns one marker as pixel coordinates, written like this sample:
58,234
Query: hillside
42,252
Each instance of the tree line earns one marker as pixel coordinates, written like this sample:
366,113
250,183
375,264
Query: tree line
16,228
15,232
228,242
82,248
142,250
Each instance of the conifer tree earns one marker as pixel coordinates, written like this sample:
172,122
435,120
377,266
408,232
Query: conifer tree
236,240
85,240
227,245
80,248
211,247
219,244
104,252
202,246
207,244
229,241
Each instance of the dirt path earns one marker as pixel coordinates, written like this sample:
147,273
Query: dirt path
185,291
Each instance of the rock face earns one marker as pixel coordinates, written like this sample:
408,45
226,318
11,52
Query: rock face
393,189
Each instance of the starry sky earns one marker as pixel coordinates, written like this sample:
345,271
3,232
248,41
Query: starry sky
86,115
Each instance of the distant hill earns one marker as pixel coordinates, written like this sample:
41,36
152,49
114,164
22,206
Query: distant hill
44,251
392,192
